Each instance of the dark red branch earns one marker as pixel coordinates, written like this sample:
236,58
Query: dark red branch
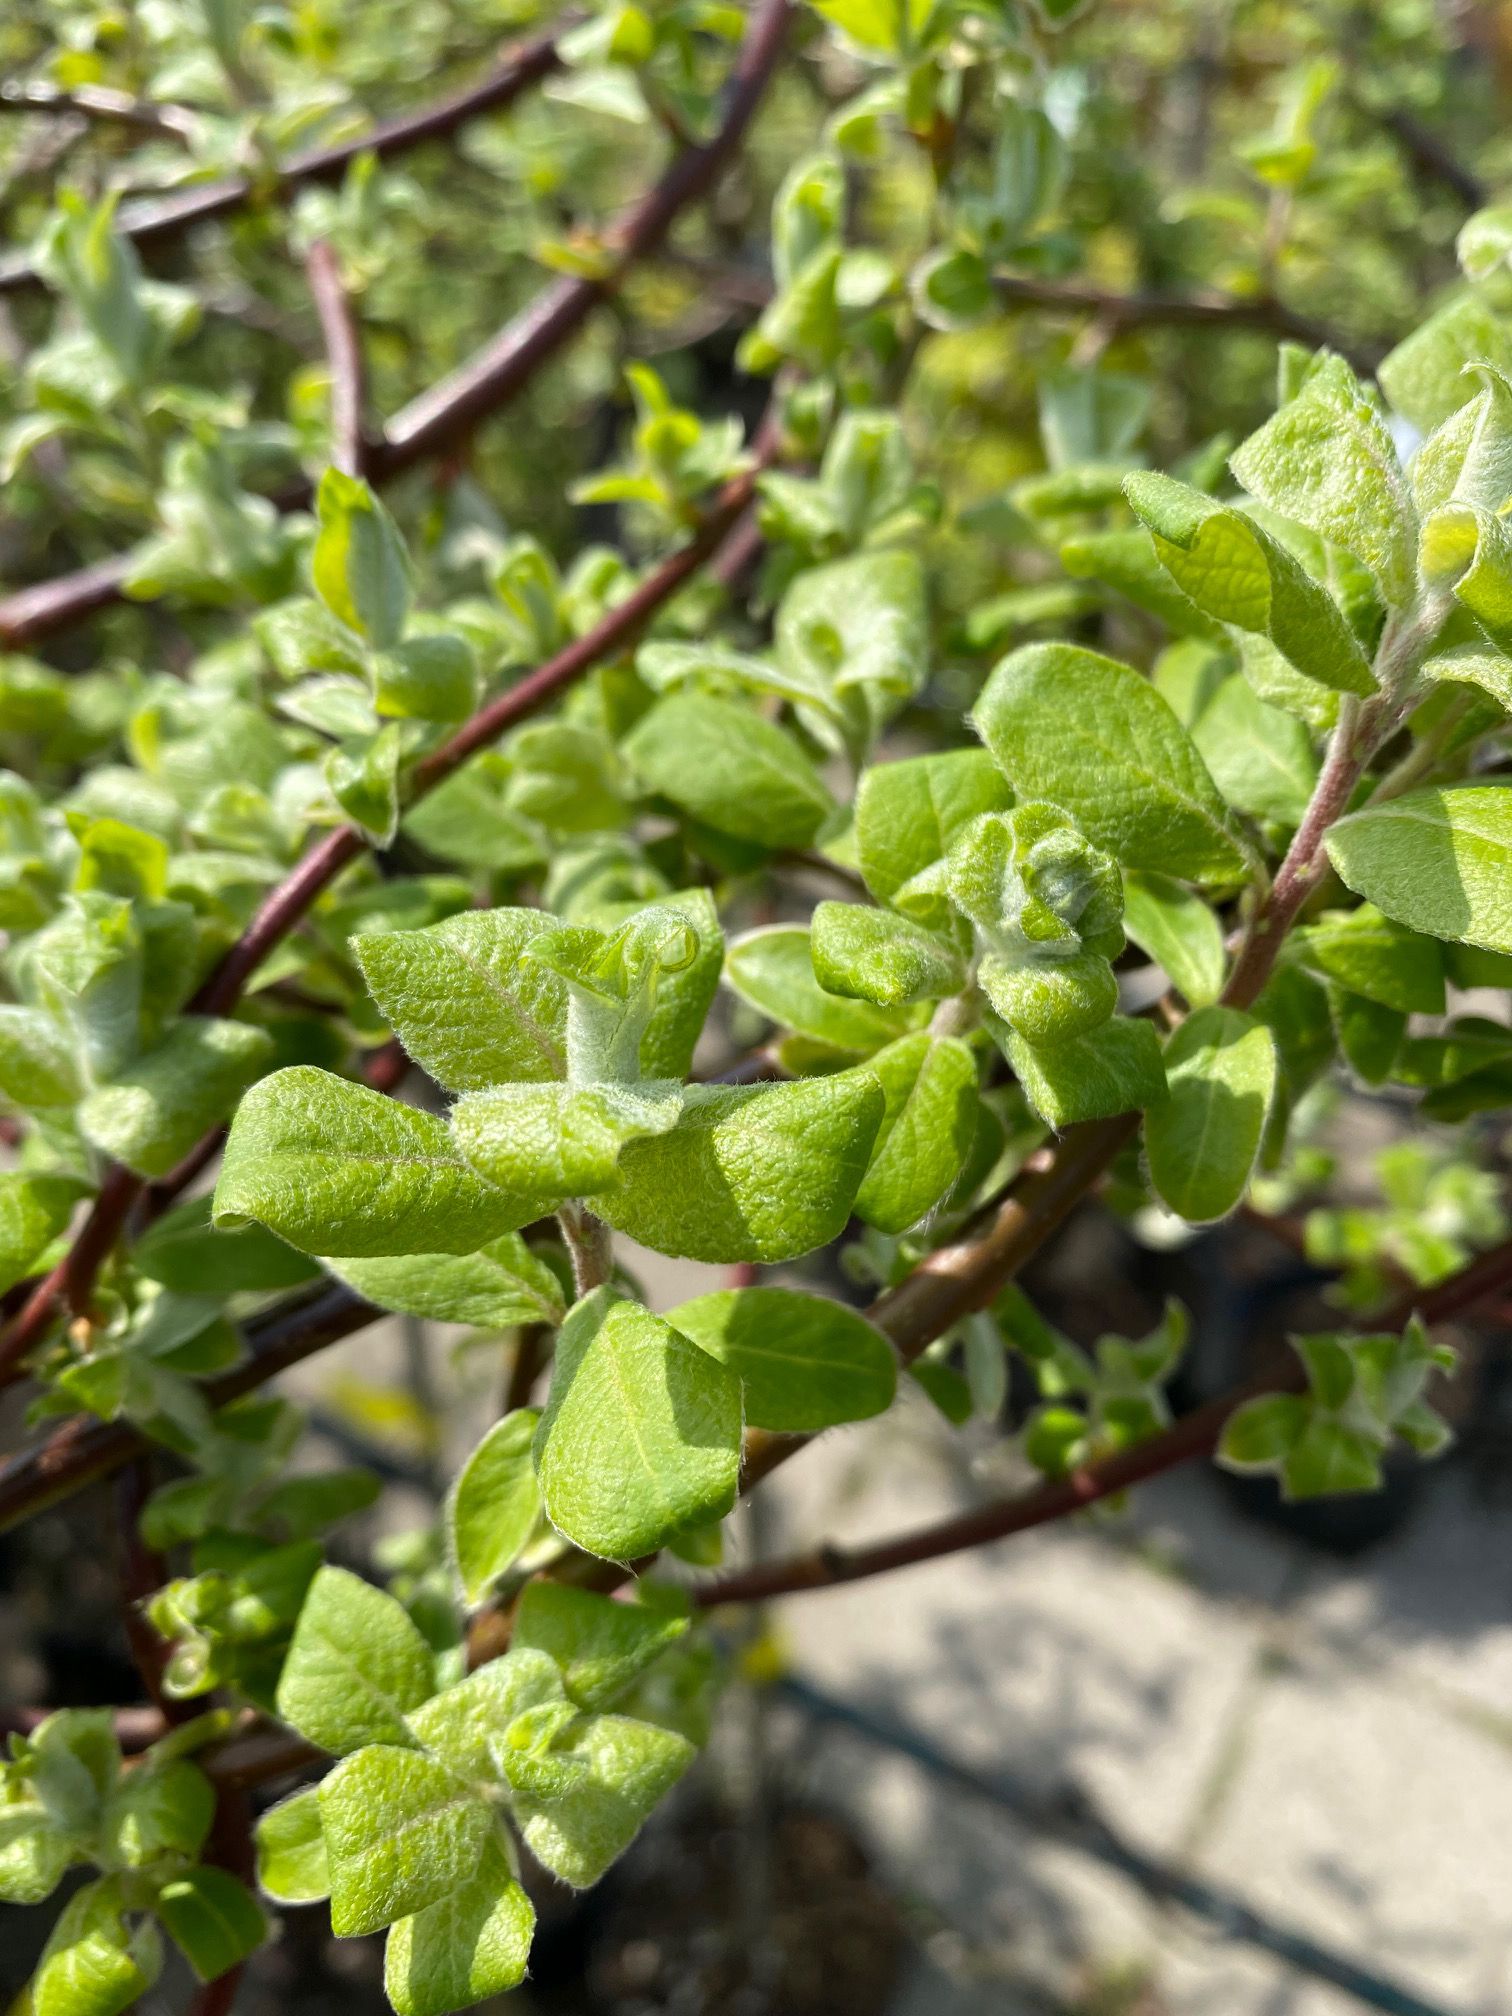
157,218
497,373
343,345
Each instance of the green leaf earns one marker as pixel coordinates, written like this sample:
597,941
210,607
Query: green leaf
212,1918
495,1504
1260,758
641,1433
33,1211
1370,955
1258,1435
1113,1069
1233,570
1202,1140
1424,377
185,1252
750,1172
155,1110
624,1770
465,1727
1126,561
400,1832
730,768
929,1122
1330,1458
805,1363
157,1808
466,1004
684,994
1370,1036
541,1144
859,626
431,678
37,1064
908,815
1468,459
773,968
359,565
363,777
34,1853
600,1646
1438,861
355,1667
291,1850
336,1168
1095,738
1327,461
1491,671
90,1965
1179,932
875,955
470,1944
493,1289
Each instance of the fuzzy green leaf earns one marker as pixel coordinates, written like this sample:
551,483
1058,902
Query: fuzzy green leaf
730,768
929,1121
34,1209
1260,758
1179,932
641,1433
1438,861
400,1831
212,1918
465,1003
1234,570
774,968
1202,1140
908,815
154,1111
1113,1069
470,1944
750,1172
1095,738
1327,461
623,1771
599,1645
495,1503
541,1144
335,1168
1370,955
805,1363
291,1850
500,1285
359,566
874,955
355,1667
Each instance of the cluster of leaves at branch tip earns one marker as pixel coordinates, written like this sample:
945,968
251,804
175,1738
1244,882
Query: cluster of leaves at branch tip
542,925
66,1799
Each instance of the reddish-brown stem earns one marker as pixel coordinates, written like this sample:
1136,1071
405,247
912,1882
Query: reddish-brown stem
163,217
1194,1435
1197,311
496,374
343,346
97,102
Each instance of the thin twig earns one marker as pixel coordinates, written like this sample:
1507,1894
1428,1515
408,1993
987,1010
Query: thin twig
494,375
1198,311
343,346
98,102
166,217
1194,1435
